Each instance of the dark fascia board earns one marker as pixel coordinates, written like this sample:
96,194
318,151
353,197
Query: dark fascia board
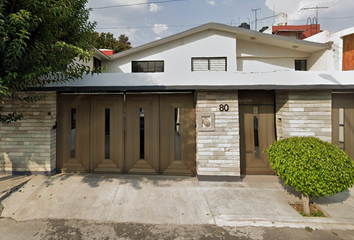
93,89
220,27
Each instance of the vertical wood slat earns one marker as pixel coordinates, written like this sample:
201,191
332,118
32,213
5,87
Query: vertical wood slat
348,53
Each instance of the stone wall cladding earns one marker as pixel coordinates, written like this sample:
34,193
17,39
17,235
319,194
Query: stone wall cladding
29,145
304,113
218,151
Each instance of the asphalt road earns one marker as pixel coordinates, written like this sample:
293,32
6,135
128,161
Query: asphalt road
82,229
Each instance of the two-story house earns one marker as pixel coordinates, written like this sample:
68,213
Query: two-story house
203,102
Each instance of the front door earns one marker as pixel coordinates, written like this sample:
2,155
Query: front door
132,133
343,122
257,130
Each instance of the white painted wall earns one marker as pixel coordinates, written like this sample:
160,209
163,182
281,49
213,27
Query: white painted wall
177,54
255,57
318,61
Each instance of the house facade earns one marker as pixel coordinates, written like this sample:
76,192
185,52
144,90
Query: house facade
204,102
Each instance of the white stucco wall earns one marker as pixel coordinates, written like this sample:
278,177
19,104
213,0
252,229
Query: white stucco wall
318,61
177,54
255,57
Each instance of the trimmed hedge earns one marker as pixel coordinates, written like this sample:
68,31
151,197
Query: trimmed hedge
312,166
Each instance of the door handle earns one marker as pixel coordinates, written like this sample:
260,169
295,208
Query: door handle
249,151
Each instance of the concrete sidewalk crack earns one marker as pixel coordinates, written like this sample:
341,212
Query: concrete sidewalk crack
206,200
114,198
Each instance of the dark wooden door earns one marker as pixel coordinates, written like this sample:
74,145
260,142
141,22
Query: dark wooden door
343,121
257,130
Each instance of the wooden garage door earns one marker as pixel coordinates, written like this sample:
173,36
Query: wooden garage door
136,134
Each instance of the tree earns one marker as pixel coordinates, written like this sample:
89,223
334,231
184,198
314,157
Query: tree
313,167
108,41
40,43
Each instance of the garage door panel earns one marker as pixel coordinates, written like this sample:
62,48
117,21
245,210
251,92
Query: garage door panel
74,134
142,133
177,126
107,134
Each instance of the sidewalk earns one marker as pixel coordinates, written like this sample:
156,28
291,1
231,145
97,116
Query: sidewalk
256,201
8,183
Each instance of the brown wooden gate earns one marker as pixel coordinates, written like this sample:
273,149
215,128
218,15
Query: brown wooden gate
343,121
257,130
135,133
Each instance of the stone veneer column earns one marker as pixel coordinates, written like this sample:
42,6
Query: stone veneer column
29,146
218,146
304,113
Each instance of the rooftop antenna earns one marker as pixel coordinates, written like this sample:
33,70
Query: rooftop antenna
318,8
255,10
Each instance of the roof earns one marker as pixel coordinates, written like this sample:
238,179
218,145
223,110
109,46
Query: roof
241,33
206,81
290,30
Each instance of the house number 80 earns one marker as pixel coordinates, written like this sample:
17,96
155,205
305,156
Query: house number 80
224,107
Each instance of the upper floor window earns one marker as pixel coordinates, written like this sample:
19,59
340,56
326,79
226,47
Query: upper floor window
209,64
96,63
300,65
148,66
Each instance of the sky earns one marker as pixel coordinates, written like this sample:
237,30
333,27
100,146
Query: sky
144,21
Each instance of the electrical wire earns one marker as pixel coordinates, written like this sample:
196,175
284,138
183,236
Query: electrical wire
138,4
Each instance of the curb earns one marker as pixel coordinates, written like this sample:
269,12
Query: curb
315,223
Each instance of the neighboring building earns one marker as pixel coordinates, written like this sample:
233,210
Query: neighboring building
296,31
203,102
107,52
282,28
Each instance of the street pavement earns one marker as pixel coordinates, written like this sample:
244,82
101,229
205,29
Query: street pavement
257,201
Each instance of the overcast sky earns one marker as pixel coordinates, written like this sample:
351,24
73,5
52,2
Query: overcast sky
146,20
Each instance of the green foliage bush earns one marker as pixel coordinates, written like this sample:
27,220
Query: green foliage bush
312,166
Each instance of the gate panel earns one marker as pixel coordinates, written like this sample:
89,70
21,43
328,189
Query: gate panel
107,133
257,131
74,125
177,133
343,122
142,134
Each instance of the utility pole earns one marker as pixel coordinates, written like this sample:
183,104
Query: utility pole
255,10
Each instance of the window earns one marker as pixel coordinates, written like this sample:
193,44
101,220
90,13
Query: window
209,64
96,63
147,66
300,65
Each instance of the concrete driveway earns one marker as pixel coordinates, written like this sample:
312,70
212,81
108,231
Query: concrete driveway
257,201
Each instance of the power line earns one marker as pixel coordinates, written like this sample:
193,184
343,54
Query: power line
193,25
138,4
142,27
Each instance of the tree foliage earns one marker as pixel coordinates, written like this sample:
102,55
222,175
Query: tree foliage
312,166
108,41
40,43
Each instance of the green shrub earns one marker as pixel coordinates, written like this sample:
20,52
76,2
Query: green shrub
312,166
